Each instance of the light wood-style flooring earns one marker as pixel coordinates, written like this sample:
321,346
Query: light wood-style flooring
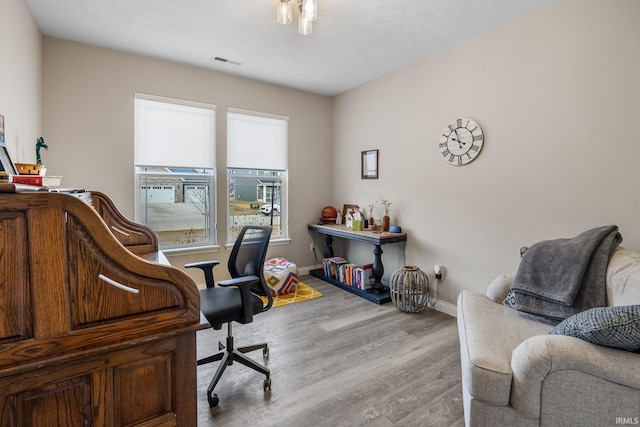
339,360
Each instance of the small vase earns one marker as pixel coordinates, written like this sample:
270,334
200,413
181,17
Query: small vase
372,222
385,223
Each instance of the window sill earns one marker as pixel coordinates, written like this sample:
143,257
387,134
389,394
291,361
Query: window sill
272,242
191,251
214,248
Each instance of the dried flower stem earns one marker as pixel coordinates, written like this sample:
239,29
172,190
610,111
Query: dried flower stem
387,206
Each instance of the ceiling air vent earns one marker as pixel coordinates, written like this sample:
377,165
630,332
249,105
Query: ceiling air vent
226,61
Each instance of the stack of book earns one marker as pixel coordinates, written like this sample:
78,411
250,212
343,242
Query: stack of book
332,266
34,174
358,276
39,180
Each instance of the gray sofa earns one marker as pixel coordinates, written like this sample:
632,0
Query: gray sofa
515,373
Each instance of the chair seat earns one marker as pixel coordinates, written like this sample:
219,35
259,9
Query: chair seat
223,305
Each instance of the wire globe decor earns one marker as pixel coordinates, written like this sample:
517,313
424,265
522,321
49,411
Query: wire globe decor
409,289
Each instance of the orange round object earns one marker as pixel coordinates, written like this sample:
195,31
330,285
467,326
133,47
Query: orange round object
329,213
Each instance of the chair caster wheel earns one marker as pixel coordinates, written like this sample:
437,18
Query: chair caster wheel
267,384
213,400
265,352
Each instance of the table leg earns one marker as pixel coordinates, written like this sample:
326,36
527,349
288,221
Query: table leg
377,270
328,248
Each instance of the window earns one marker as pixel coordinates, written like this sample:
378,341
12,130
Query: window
174,159
257,171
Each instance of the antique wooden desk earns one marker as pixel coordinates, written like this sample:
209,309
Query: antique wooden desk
378,294
94,329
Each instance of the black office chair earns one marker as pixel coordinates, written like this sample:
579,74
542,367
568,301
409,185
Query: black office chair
235,300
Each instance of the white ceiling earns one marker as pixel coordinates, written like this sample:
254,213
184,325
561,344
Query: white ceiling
352,41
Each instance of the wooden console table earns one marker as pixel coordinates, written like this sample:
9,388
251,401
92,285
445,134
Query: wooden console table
378,294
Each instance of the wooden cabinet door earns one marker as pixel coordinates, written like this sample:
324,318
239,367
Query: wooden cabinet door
143,391
63,403
137,386
15,293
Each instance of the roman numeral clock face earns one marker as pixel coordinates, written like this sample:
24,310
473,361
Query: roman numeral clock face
461,142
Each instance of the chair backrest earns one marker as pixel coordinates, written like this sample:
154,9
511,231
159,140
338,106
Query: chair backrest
248,256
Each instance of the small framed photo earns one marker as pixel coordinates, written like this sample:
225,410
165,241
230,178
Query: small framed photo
370,164
7,167
6,164
345,208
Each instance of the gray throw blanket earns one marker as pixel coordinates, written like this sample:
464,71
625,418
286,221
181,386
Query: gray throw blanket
559,278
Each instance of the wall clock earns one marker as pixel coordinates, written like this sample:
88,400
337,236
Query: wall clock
461,142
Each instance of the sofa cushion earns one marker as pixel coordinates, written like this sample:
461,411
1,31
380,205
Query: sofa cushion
489,332
617,327
499,288
623,278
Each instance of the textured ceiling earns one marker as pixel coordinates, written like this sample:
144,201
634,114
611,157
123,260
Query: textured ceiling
352,41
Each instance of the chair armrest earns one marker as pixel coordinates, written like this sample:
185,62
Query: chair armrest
499,288
207,269
201,264
538,357
244,284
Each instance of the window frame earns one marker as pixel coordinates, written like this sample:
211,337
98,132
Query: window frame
207,174
283,234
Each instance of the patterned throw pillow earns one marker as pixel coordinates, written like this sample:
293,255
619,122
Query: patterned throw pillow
617,327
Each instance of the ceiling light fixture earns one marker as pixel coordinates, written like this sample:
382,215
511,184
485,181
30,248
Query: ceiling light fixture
307,13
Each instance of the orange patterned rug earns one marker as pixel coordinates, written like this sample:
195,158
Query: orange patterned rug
304,293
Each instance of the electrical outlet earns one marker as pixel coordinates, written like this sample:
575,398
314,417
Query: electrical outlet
438,270
312,247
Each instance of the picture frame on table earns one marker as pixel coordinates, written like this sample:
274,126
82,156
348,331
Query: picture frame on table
7,167
344,211
370,164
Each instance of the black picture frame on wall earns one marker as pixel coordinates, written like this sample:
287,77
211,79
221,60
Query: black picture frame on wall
370,164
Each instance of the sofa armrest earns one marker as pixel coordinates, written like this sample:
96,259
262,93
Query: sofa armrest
536,358
499,288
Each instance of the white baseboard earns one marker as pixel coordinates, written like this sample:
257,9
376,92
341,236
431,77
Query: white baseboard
446,308
307,270
441,306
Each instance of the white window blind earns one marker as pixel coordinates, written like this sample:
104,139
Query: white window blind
256,141
176,133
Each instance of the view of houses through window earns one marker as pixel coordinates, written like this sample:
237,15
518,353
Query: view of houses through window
177,204
255,198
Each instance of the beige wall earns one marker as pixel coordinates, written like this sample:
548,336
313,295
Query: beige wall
558,96
88,123
556,93
20,79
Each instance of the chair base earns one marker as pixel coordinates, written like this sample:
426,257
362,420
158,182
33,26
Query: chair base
227,355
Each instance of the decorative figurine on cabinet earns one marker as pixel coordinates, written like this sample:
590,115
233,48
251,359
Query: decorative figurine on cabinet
40,144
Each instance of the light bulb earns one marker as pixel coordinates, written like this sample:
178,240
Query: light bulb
310,9
284,12
305,26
